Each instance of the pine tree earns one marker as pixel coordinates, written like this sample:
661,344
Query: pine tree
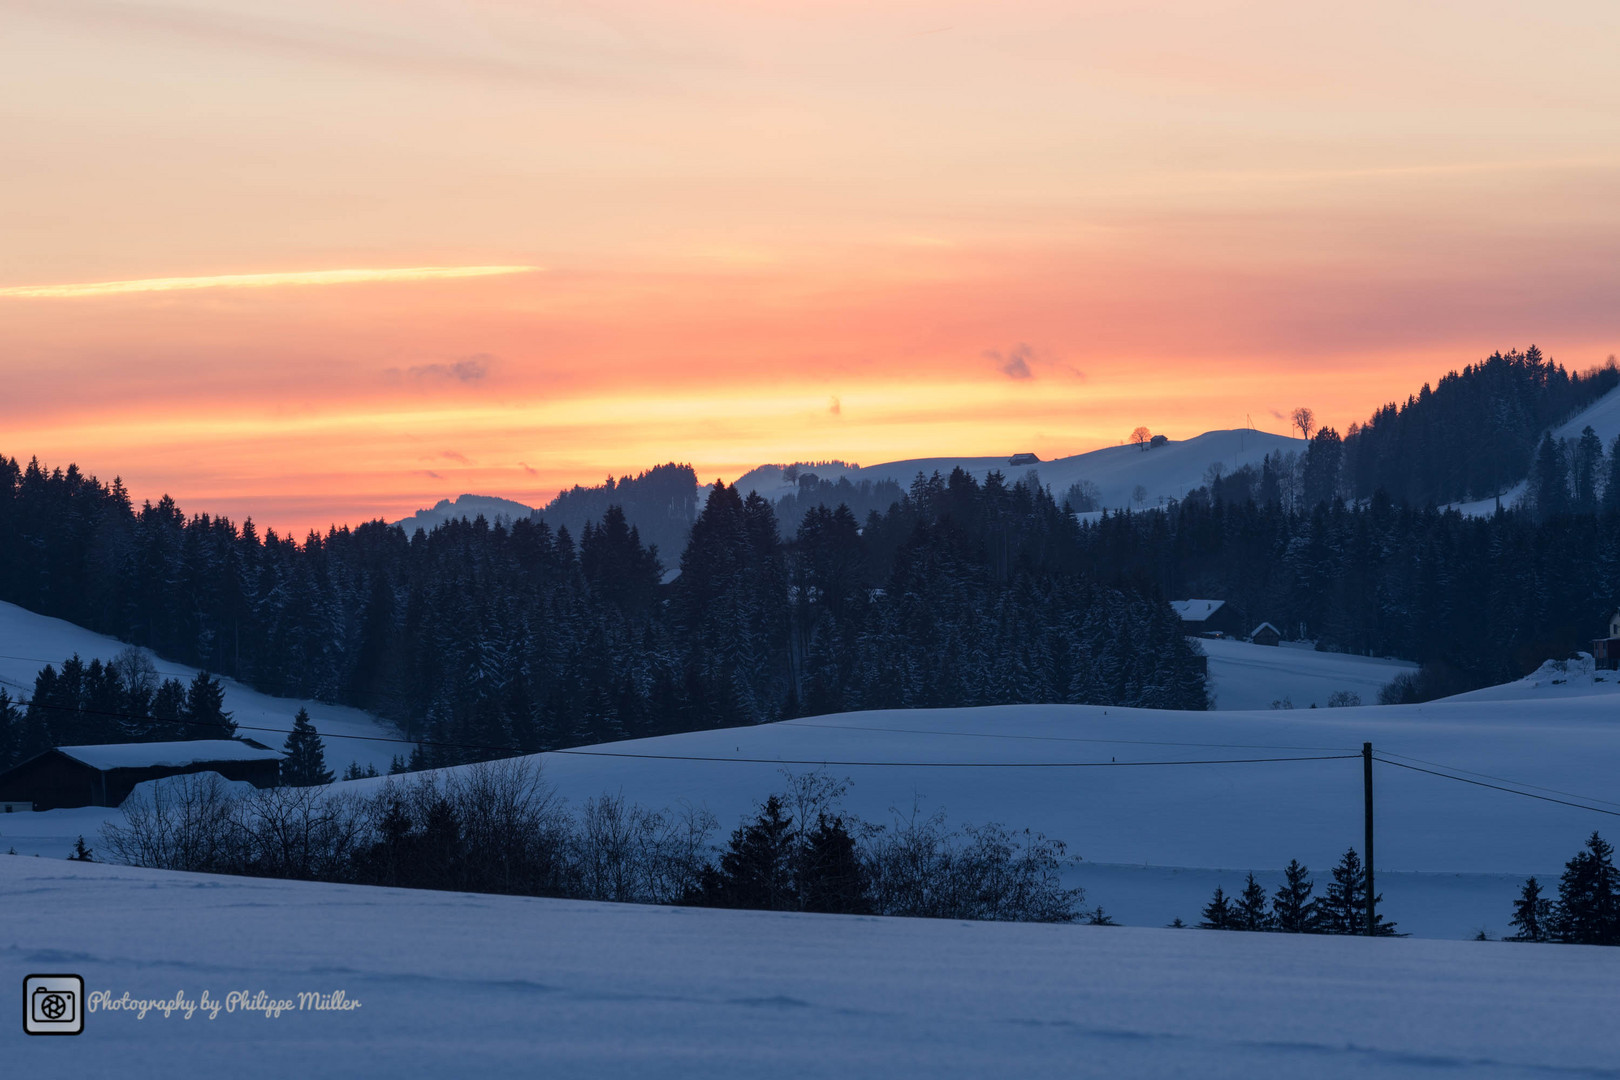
831,877
305,763
81,853
1218,914
205,716
756,870
1532,913
1588,911
1252,912
1292,908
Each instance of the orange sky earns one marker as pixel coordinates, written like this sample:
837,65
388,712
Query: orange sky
615,234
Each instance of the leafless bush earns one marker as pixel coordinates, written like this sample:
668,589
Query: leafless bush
180,823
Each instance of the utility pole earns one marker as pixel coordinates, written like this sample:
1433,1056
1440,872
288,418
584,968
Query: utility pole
1366,783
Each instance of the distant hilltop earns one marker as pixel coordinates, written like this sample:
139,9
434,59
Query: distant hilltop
664,501
491,508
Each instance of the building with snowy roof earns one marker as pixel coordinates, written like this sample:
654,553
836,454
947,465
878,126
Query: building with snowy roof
1265,634
104,775
1206,616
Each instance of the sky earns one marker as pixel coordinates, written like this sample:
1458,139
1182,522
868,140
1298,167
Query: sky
324,262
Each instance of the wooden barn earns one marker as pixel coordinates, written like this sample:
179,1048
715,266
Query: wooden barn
1206,618
104,775
1265,634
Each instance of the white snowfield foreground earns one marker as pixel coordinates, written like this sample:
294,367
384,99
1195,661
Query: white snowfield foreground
483,986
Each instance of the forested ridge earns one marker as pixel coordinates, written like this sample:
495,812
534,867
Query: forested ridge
484,639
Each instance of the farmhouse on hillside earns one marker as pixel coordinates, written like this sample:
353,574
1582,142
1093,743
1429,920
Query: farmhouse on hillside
104,775
1023,459
1606,651
1206,618
1266,634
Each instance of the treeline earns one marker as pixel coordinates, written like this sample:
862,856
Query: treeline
480,641
496,827
661,503
1477,601
862,497
1294,909
1587,908
1473,435
119,701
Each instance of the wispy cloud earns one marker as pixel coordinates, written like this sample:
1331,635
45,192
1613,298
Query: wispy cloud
467,369
529,469
836,407
259,281
1014,363
459,458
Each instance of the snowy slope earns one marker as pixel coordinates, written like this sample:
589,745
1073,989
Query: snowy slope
1156,839
508,986
493,509
1245,676
1602,416
1167,472
28,642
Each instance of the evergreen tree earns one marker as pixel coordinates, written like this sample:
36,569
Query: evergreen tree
1218,914
1292,909
168,712
830,875
1252,911
1532,913
1585,468
1588,911
10,731
81,853
1550,479
305,763
205,716
757,869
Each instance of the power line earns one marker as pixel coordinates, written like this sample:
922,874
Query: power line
1499,787
951,764
700,757
1060,738
1502,779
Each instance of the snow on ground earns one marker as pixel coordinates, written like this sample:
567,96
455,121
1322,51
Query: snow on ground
1156,839
29,641
1245,676
1602,416
1166,472
457,985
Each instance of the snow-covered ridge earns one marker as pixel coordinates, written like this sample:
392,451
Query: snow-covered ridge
1164,472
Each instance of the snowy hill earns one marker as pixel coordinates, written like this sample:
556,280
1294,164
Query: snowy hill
1245,676
498,986
1156,839
28,642
1166,472
1602,416
469,507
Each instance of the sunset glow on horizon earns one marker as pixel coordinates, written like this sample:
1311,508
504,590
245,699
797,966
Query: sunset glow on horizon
608,236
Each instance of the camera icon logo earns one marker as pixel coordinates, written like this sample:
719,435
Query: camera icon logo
53,1004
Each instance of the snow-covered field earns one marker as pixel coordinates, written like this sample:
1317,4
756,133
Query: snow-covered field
457,985
1245,676
29,641
1157,838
